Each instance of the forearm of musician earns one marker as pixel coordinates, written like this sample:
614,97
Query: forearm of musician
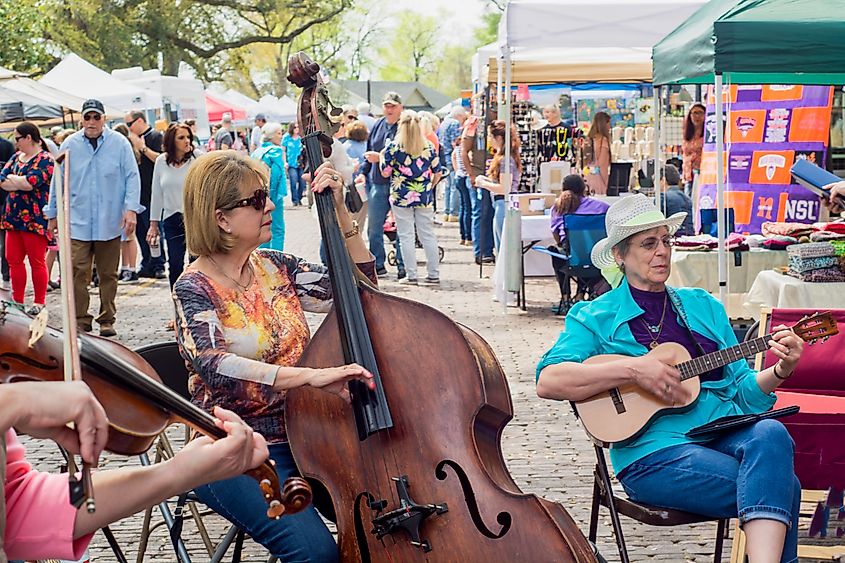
11,408
766,380
355,244
571,381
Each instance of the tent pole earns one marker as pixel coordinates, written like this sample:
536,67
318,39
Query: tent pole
500,110
720,190
658,148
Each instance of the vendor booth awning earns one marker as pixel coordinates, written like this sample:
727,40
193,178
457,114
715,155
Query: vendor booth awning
42,94
756,42
84,80
217,107
570,66
16,107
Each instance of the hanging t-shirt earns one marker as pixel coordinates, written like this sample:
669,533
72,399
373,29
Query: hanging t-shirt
554,142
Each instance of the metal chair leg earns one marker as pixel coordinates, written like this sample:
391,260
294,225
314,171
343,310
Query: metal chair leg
224,544
239,546
607,491
594,511
118,553
721,530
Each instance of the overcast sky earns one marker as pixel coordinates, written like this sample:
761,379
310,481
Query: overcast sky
463,15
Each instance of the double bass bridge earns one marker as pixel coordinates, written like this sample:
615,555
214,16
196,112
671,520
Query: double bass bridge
408,517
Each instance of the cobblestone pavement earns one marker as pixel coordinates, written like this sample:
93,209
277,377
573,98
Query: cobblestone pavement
545,448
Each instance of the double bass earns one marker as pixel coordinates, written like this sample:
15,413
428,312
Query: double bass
414,468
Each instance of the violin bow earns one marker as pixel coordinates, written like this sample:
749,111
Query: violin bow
79,491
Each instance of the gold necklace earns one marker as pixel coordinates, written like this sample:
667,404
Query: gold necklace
656,328
234,281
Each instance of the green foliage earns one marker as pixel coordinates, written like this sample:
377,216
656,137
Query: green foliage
411,51
21,35
489,29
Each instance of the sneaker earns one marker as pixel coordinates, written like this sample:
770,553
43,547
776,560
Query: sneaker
55,284
401,274
432,280
381,272
126,276
452,218
84,328
34,310
146,274
160,275
488,260
410,281
5,285
107,330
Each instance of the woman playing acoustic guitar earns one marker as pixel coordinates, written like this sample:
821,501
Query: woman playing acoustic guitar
746,472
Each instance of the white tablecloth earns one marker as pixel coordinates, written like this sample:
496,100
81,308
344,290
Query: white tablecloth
772,289
701,269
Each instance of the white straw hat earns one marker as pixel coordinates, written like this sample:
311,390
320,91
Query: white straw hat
629,216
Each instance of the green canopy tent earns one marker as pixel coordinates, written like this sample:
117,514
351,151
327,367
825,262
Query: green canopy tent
751,42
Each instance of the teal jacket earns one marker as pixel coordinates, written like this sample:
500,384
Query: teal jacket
273,156
601,327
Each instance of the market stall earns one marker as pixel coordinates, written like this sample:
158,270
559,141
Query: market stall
217,108
731,41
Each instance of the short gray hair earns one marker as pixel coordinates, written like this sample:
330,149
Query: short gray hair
670,172
269,129
364,108
457,111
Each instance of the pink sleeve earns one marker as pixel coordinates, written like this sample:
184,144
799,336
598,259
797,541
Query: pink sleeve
39,516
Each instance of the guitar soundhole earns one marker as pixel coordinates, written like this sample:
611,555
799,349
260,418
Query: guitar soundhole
616,397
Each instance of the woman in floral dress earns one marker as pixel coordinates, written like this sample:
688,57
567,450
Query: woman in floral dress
412,165
26,178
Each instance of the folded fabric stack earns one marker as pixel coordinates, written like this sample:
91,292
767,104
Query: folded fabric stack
828,231
696,242
736,241
779,242
814,262
796,230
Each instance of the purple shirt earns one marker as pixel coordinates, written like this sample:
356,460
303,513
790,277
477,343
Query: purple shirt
652,303
588,206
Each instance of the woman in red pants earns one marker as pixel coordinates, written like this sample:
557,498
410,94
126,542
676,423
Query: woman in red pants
27,179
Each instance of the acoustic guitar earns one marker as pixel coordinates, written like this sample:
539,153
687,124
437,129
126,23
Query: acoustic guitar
622,413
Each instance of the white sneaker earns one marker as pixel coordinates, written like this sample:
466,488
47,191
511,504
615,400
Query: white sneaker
5,285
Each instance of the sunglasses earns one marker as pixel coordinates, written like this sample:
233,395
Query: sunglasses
17,138
257,200
92,117
131,123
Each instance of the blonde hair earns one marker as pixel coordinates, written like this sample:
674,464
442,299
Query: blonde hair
214,182
409,135
429,122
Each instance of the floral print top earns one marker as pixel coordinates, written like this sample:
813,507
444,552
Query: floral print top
233,341
410,177
24,211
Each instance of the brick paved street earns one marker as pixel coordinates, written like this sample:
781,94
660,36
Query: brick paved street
545,448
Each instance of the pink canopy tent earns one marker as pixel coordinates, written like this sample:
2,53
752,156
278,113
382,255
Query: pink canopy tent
217,107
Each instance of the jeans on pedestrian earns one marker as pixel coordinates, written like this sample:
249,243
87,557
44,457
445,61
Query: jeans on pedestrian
499,208
746,473
293,538
413,222
4,265
482,222
379,205
148,263
465,213
174,236
451,198
297,184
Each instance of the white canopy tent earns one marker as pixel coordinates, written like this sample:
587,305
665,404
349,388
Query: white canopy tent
81,78
281,110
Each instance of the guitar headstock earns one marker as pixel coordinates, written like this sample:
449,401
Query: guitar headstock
818,326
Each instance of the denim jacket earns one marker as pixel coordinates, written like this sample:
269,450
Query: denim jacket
601,327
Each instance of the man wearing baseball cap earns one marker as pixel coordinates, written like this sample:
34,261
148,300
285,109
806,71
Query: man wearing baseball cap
105,192
381,134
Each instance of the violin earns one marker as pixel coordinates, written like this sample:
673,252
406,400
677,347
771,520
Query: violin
139,407
414,468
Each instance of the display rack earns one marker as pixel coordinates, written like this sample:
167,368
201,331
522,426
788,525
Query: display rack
521,112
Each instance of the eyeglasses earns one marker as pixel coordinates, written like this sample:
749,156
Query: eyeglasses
18,138
131,123
92,117
257,200
650,244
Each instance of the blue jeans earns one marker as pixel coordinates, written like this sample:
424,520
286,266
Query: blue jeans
451,200
174,234
379,205
465,214
297,184
747,473
148,263
499,208
293,538
482,222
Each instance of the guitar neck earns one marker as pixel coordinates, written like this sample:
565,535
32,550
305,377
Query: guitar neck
719,358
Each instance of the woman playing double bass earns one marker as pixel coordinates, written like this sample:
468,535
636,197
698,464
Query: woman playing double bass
242,329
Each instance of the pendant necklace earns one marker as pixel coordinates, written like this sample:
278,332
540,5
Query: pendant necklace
242,287
655,330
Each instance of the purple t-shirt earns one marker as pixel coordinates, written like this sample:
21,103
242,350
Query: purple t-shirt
588,206
652,303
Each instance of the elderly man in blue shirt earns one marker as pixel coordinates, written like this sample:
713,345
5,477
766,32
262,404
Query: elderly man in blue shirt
105,192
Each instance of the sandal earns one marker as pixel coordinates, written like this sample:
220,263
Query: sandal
170,326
